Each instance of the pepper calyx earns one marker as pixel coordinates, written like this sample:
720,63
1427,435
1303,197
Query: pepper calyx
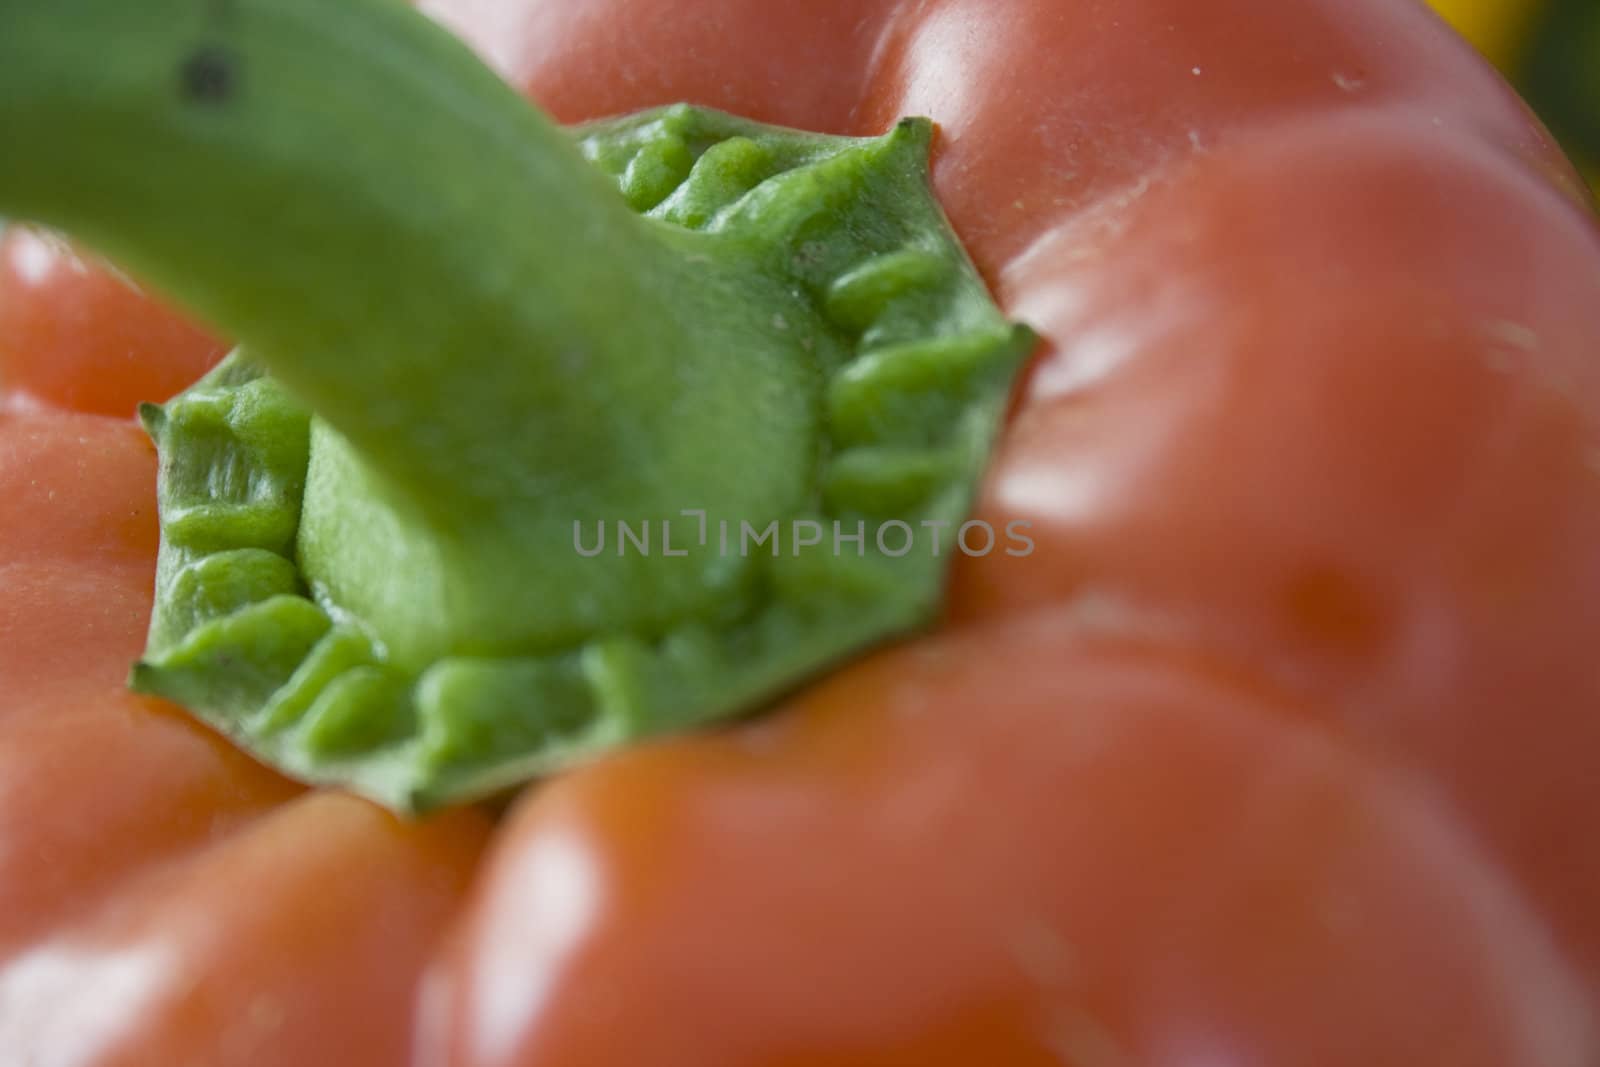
539,443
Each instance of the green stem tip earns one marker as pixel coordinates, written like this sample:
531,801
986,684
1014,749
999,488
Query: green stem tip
538,441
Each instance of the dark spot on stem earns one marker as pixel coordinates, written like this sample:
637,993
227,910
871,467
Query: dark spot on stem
209,76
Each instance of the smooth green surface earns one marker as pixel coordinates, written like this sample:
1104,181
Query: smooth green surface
512,336
1560,75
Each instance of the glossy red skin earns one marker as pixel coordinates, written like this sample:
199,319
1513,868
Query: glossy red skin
164,900
1130,859
1280,747
109,344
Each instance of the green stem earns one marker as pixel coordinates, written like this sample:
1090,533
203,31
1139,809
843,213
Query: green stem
500,346
388,276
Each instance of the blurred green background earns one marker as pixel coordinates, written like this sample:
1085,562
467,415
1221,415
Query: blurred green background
1551,51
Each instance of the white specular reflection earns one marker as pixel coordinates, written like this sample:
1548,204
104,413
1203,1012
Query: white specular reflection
557,890
66,1007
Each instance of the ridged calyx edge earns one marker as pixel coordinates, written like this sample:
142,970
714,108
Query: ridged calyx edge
913,364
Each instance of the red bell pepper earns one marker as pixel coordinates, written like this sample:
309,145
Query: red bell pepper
1278,748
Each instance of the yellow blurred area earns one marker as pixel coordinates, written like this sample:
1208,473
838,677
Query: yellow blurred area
1550,49
1497,27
